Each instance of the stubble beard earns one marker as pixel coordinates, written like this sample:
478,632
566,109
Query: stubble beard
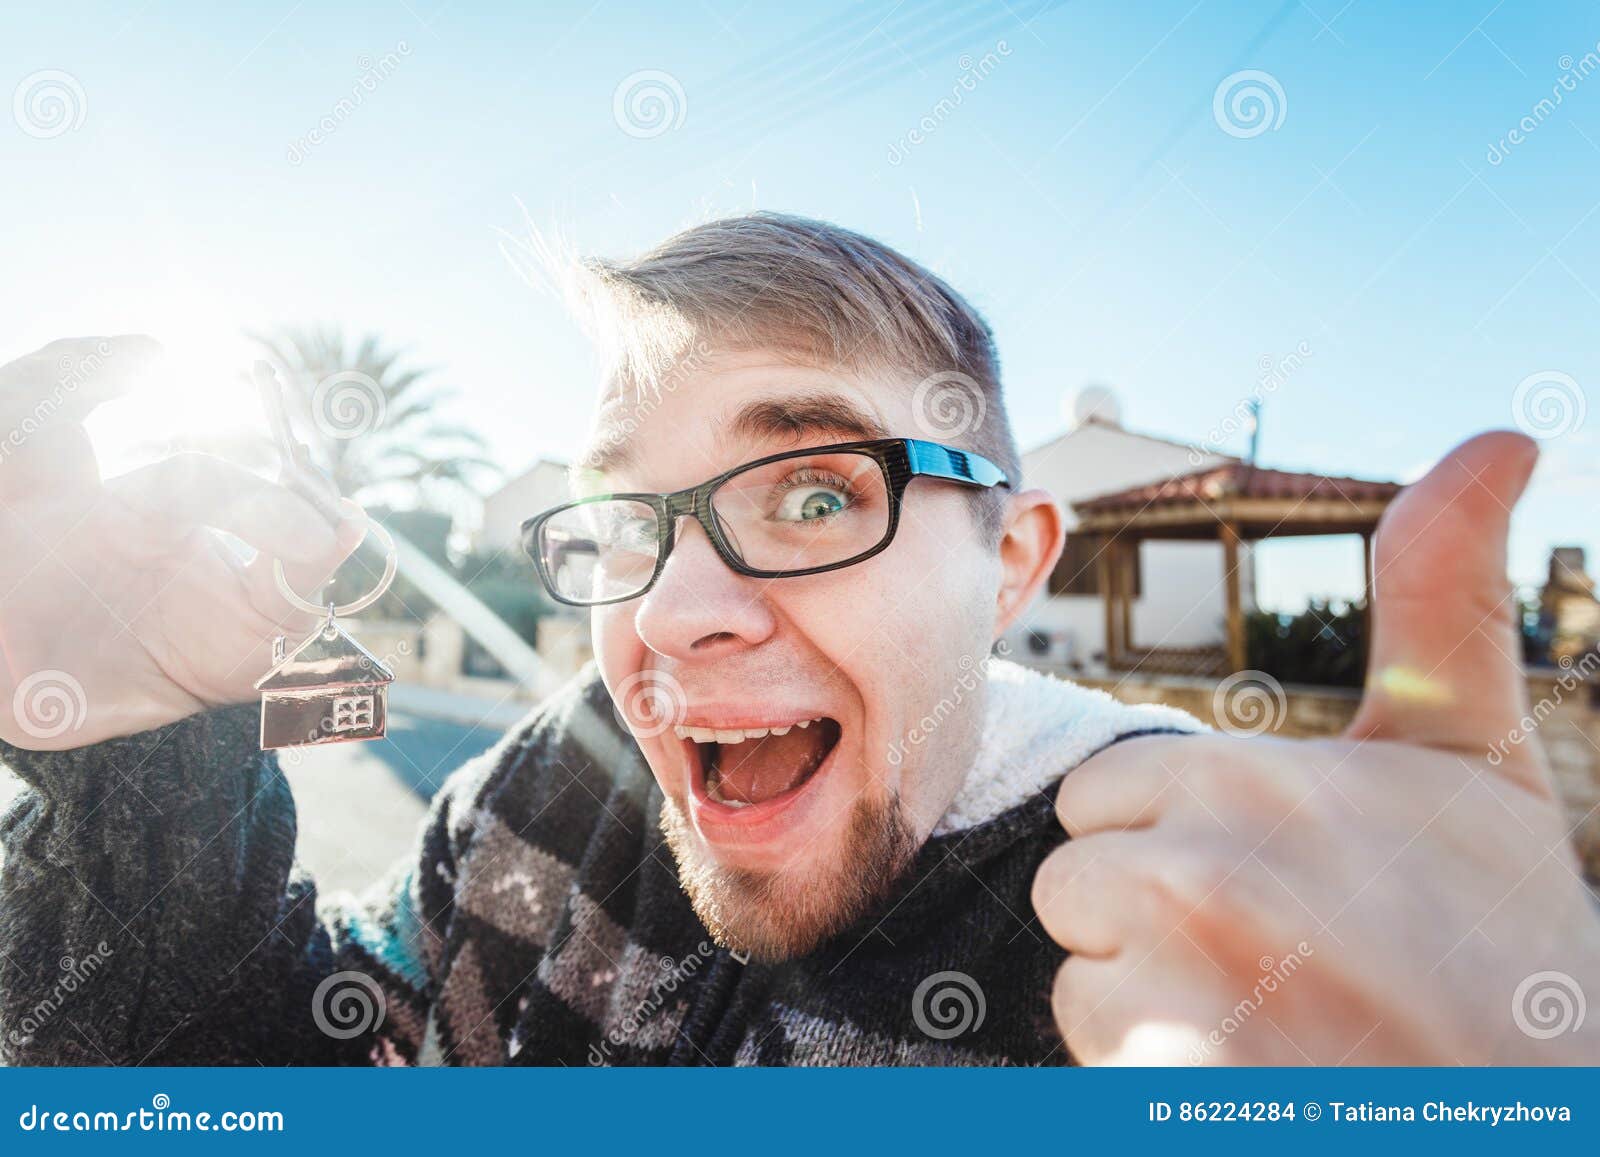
784,914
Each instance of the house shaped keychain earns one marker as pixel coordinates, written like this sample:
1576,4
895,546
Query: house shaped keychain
329,689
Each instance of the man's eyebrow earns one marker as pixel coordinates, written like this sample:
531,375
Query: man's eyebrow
798,415
788,418
611,450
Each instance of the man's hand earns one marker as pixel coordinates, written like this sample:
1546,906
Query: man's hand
1391,896
119,611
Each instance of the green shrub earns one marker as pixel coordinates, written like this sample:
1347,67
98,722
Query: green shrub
1323,645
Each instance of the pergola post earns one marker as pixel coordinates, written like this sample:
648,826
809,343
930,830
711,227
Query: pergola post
1104,570
1237,658
1127,561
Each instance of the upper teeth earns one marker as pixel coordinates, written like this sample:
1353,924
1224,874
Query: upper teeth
737,734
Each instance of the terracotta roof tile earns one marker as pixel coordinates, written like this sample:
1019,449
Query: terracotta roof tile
1238,480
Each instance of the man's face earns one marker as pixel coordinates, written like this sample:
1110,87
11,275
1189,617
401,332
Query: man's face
784,839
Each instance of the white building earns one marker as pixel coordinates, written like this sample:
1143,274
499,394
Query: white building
1179,597
536,489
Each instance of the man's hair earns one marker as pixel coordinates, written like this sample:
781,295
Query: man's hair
823,295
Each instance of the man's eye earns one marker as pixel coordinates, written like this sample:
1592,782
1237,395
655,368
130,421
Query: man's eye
810,503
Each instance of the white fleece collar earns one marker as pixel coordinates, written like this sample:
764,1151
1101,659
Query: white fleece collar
1036,729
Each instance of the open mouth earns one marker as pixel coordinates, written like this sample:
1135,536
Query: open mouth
740,767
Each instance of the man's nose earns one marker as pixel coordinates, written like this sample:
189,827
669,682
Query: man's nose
698,607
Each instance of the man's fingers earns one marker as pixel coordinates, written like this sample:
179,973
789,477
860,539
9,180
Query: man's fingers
261,581
44,398
1155,1008
1445,667
1086,900
55,460
1135,1009
188,490
1127,785
67,379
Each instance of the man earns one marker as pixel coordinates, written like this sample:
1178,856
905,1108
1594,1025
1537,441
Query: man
830,851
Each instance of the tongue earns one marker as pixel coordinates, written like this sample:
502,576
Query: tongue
759,769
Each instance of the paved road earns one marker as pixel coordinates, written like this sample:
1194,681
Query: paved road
360,803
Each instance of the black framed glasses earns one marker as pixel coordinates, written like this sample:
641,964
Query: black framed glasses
796,513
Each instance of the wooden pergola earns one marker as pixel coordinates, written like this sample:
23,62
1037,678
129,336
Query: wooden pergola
1231,504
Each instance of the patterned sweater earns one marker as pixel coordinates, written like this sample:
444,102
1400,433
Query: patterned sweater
151,912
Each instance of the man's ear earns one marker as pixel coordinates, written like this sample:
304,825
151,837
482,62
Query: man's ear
1034,534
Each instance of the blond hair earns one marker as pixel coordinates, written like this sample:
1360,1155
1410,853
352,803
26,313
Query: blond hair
821,294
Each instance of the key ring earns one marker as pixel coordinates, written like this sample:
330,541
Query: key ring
390,566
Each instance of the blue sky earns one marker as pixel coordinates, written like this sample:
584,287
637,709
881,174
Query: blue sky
1083,194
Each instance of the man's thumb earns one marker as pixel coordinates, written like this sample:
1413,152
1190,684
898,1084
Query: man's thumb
1445,666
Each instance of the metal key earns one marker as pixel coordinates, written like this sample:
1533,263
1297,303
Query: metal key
299,473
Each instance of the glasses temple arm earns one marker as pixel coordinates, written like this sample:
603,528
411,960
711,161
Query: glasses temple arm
939,461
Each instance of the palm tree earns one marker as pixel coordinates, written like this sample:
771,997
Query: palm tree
373,424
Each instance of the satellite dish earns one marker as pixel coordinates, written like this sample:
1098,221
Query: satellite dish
1093,404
